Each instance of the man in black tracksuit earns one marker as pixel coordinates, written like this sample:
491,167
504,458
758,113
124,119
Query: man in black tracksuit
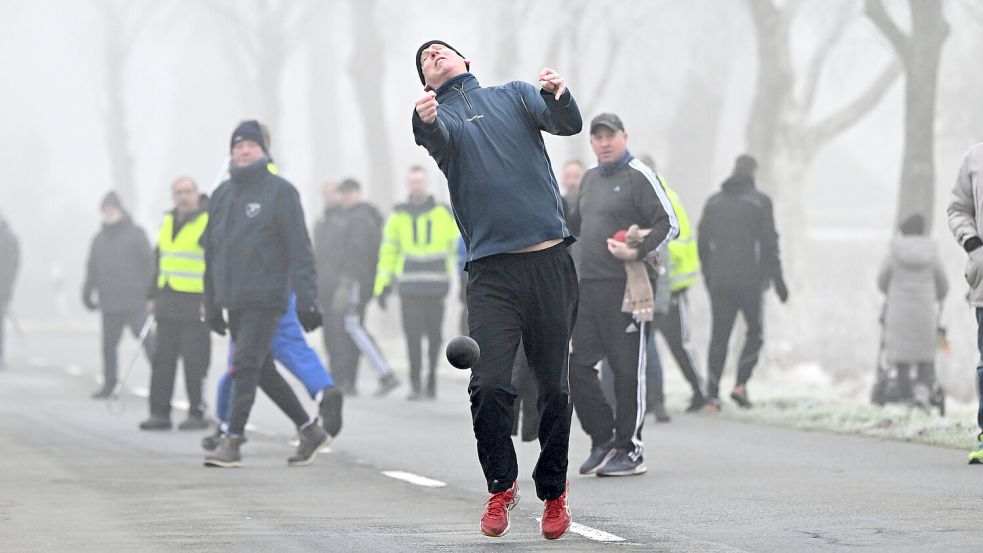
738,247
119,266
256,251
521,281
346,249
620,192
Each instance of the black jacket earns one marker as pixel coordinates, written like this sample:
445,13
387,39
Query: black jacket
119,267
346,246
489,144
612,199
256,245
9,263
737,239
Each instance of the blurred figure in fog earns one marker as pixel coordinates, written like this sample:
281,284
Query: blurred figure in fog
417,254
914,281
119,267
346,249
175,299
738,247
9,264
966,224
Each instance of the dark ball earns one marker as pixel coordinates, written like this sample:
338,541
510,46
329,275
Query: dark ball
462,352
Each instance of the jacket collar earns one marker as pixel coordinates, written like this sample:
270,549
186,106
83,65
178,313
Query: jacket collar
467,81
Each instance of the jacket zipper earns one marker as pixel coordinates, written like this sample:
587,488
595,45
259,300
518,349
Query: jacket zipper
468,102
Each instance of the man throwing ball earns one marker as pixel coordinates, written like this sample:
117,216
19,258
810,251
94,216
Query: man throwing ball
521,281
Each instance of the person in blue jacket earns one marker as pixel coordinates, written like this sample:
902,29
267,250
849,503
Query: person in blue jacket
522,284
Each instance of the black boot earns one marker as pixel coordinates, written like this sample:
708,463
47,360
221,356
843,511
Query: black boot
194,422
331,403
227,454
156,422
312,439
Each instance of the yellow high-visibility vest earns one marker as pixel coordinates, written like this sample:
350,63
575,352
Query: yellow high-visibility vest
683,253
182,259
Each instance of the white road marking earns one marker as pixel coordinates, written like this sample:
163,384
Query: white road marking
590,533
414,479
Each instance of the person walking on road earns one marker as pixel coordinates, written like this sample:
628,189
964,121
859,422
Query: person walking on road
684,268
346,247
521,280
119,266
738,247
176,302
617,296
417,256
913,278
9,264
257,250
966,224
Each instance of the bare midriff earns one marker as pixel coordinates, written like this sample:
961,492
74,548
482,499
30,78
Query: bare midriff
538,247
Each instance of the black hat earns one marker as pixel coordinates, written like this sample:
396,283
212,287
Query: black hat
608,120
111,199
419,63
249,130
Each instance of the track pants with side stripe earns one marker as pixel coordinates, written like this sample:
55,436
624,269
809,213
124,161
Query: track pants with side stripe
603,331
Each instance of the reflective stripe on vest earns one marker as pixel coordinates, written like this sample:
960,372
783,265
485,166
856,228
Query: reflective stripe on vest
182,260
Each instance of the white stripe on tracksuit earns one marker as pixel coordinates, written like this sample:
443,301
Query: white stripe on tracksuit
636,440
687,345
367,346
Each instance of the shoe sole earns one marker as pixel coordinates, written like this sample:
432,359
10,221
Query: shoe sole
606,460
640,469
214,463
156,429
508,525
304,462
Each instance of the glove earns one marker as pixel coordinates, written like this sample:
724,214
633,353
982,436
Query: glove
310,319
974,268
87,300
216,321
781,289
384,296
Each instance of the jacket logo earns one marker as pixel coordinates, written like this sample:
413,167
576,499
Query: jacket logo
631,328
617,188
252,209
474,117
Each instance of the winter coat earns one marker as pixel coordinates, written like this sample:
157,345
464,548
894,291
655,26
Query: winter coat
256,245
119,267
488,142
737,240
966,217
9,263
346,247
914,281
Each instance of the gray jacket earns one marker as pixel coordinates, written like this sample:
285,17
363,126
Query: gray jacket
914,280
966,217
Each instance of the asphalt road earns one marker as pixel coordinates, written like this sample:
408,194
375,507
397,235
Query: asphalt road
75,477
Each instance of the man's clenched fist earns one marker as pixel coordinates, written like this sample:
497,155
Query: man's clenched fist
426,107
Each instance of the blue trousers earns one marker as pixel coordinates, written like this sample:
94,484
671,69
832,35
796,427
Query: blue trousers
290,349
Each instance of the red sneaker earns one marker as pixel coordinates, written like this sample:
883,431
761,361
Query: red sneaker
495,521
556,516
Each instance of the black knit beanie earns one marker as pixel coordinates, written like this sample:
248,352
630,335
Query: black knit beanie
419,62
914,225
249,130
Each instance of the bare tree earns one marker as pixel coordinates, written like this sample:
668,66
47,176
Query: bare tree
264,34
367,68
124,22
323,70
920,52
780,133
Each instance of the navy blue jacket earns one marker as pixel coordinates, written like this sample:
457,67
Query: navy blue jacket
256,245
488,143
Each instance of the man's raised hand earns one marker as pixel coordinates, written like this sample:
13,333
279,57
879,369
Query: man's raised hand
552,82
426,107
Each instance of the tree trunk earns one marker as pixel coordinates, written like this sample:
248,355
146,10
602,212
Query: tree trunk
367,68
922,60
117,133
324,128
